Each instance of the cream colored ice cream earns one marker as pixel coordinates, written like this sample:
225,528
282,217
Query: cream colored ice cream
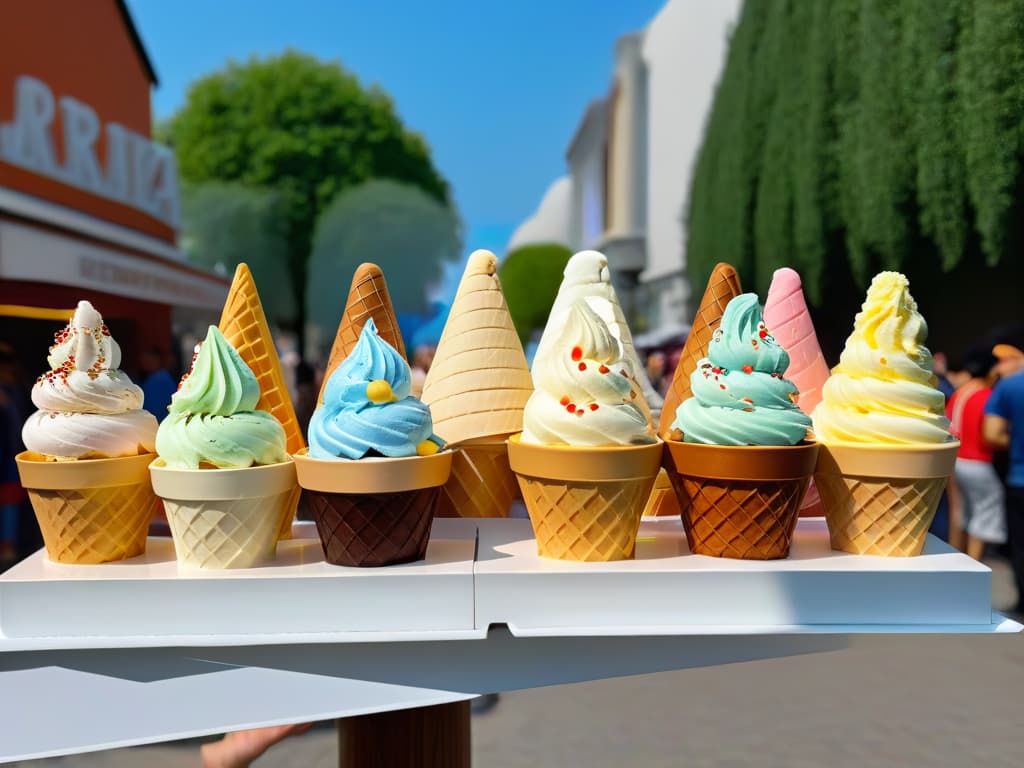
884,390
88,409
584,393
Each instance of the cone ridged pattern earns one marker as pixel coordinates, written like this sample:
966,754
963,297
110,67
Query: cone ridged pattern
239,533
368,297
481,484
746,520
663,501
479,381
585,521
94,525
722,287
879,516
374,529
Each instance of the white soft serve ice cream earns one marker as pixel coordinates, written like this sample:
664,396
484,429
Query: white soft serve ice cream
584,393
87,407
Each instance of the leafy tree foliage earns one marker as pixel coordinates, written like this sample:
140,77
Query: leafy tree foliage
530,277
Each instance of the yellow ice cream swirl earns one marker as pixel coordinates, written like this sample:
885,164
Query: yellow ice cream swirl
884,389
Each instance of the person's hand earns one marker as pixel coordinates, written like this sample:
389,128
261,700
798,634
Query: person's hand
240,748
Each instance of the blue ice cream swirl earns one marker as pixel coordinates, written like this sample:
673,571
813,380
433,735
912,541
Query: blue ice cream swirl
367,407
739,394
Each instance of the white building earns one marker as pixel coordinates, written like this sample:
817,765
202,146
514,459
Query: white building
631,160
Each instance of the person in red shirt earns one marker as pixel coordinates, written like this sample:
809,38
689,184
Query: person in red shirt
976,493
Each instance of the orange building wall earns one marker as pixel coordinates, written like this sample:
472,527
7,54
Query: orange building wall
79,48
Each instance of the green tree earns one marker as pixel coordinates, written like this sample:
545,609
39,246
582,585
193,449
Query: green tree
530,277
407,233
224,224
304,128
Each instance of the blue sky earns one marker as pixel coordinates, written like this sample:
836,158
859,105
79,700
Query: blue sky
496,88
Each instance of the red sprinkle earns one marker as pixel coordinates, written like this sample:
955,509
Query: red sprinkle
577,353
604,369
564,400
583,366
883,361
722,386
763,333
748,369
579,412
593,406
571,408
624,374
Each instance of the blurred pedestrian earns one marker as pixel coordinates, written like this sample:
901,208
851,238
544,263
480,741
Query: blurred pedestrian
656,370
158,385
422,358
976,493
1003,429
940,366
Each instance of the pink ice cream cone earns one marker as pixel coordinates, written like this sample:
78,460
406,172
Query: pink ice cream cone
787,316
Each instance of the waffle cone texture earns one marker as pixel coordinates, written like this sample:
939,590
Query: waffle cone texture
244,324
481,484
225,518
881,500
740,502
367,297
585,504
663,501
373,512
90,511
722,287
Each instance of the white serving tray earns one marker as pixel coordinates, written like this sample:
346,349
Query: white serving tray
668,591
152,601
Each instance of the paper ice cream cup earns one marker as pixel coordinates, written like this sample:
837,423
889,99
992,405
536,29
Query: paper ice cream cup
90,510
225,518
740,501
881,499
373,511
585,503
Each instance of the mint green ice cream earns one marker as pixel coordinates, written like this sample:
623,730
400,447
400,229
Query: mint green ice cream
739,395
213,420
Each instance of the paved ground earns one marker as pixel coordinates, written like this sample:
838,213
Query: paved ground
886,701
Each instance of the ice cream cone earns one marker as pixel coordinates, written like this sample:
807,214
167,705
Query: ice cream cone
585,504
373,512
91,510
225,518
881,499
723,286
481,484
479,381
663,501
740,501
368,297
244,325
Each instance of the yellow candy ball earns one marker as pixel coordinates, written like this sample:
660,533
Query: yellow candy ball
379,392
427,448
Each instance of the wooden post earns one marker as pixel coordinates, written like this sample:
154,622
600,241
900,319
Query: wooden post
425,737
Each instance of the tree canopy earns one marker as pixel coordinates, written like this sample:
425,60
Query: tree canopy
403,230
857,135
304,128
530,277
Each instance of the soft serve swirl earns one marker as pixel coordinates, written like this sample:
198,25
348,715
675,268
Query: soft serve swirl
368,407
87,407
584,393
884,389
739,395
213,420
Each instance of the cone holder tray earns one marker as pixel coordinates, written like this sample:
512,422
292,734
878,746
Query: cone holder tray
483,573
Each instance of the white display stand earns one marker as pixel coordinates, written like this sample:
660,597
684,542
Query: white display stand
306,641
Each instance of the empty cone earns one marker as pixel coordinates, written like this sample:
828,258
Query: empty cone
789,320
368,297
880,500
225,518
723,286
663,501
482,483
585,504
244,324
92,510
740,501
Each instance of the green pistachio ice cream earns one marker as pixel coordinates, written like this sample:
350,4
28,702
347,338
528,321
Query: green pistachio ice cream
213,421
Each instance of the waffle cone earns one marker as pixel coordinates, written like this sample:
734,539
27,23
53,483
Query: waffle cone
244,325
811,505
225,518
481,484
373,512
740,501
663,501
723,286
880,500
585,504
90,511
367,297
479,381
